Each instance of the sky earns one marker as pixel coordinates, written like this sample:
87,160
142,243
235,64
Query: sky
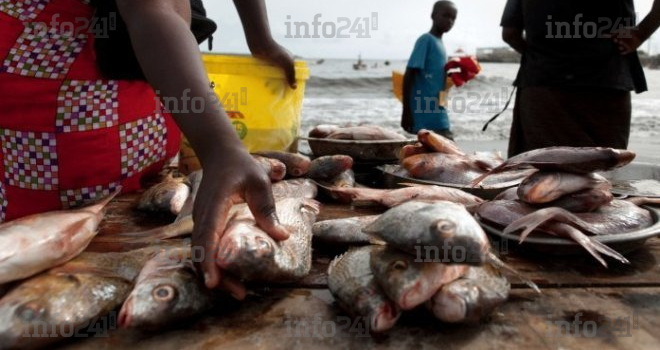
399,24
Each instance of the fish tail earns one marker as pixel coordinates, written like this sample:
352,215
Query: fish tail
502,266
98,207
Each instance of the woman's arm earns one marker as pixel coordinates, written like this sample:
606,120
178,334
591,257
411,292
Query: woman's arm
514,37
171,61
630,39
254,18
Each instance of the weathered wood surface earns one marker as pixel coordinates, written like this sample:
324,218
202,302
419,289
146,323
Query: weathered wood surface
272,318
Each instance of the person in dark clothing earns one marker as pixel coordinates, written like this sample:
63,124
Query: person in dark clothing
578,67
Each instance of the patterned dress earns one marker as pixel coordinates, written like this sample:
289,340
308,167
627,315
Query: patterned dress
67,136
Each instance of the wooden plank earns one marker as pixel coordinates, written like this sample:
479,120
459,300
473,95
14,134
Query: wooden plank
275,319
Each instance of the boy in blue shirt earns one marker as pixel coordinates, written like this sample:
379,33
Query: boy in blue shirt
425,76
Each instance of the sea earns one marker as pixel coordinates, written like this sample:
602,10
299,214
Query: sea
338,94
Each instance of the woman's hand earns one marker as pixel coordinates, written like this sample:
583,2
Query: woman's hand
280,57
234,177
628,40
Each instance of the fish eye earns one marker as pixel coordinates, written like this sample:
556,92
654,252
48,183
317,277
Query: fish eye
29,312
399,265
445,226
164,293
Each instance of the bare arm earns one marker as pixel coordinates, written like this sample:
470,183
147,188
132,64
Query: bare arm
515,38
160,29
254,17
631,39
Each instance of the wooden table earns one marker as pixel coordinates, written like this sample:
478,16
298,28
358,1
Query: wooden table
619,308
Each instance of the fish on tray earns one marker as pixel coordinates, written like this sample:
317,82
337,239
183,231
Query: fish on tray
251,254
167,196
543,187
56,303
38,242
353,285
580,160
329,167
441,167
275,169
356,133
296,164
347,231
471,298
168,289
392,198
440,231
409,281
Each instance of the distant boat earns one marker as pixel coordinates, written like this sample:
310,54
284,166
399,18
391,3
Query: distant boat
387,63
359,65
321,61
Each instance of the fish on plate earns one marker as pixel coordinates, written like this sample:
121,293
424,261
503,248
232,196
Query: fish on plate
543,187
296,164
392,198
167,196
347,231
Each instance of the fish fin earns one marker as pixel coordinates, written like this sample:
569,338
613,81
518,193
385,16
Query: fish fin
494,261
335,261
594,247
639,201
533,220
98,206
376,241
474,183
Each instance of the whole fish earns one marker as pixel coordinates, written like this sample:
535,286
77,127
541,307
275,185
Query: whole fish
543,187
442,167
296,164
411,150
409,281
38,242
134,240
167,196
195,180
275,169
471,298
510,194
438,143
345,231
52,305
249,253
167,290
328,167
515,215
440,231
581,160
363,133
353,285
392,198
583,201
322,131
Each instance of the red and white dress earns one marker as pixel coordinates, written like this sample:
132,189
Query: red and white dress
67,136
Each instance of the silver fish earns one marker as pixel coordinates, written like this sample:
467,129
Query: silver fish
345,231
167,196
544,187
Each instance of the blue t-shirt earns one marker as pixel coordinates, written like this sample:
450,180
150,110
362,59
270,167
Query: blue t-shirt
429,58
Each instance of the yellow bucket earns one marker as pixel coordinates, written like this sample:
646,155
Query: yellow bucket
263,109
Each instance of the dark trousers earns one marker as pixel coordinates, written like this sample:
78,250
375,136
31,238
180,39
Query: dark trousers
575,117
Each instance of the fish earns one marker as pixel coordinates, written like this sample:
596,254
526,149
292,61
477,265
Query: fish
345,179
583,201
275,169
488,160
639,201
409,281
472,298
328,167
360,133
543,186
412,150
195,180
442,167
52,305
38,242
392,198
345,231
352,283
296,164
294,188
251,254
134,240
322,131
440,231
508,194
167,290
615,217
439,143
580,160
167,196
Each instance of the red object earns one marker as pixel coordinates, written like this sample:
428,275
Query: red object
68,136
462,69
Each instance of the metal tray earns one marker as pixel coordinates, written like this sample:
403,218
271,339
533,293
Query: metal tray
395,175
376,152
636,180
623,243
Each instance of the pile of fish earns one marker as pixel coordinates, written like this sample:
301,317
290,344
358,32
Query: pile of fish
566,198
436,158
436,254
